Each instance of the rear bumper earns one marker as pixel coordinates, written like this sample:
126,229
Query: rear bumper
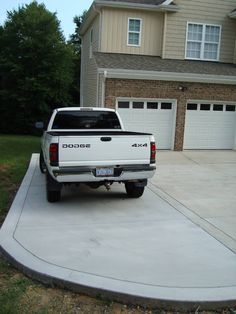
88,174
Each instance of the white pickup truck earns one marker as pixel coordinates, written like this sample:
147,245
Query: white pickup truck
90,145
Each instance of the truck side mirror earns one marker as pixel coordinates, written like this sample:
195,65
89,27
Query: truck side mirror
39,125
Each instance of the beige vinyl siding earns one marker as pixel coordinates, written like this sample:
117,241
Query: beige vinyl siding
96,33
89,78
201,11
115,27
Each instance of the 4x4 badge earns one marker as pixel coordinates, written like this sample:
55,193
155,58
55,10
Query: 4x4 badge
140,145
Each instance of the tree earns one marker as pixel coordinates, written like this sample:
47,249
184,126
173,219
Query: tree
36,67
75,39
75,42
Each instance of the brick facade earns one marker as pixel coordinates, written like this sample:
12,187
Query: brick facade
171,90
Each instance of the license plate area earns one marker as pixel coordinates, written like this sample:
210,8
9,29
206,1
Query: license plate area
104,172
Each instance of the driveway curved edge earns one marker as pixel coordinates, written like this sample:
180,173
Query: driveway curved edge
105,287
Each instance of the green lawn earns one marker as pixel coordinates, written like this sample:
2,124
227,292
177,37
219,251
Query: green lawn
15,153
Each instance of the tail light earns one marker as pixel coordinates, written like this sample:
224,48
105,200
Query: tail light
153,153
53,154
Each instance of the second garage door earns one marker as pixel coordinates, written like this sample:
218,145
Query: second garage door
151,116
210,126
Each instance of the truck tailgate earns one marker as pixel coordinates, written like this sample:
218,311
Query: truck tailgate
104,150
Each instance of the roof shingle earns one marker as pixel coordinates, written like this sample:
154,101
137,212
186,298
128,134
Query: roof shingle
152,63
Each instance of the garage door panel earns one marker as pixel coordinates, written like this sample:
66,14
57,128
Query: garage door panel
158,122
209,129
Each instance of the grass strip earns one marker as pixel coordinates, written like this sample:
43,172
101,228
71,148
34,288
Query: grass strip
15,154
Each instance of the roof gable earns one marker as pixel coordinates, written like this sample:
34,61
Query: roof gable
147,2
153,5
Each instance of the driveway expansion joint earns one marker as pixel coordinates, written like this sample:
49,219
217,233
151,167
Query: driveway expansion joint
212,230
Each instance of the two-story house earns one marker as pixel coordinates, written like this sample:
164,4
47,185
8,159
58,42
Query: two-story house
168,67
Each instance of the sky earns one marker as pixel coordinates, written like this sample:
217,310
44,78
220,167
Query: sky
65,9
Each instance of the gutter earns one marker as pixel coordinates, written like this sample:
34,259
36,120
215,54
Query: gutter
168,76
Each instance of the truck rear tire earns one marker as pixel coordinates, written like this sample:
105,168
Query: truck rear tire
53,196
53,189
134,191
42,164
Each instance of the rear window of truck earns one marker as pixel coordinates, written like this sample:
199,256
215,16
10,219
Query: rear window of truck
72,120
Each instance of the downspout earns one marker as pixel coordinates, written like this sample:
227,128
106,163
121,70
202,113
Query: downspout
164,36
99,50
100,27
234,147
234,61
104,76
81,76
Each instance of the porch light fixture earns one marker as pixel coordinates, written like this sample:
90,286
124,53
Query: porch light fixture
183,88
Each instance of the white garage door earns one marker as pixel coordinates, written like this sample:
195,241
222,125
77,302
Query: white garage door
210,126
150,116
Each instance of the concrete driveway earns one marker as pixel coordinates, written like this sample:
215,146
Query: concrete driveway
205,183
175,245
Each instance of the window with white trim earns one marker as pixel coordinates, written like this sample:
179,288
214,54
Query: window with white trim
203,41
123,104
211,107
148,103
134,32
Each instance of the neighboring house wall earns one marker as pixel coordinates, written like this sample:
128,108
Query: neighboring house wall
201,11
115,28
88,66
116,88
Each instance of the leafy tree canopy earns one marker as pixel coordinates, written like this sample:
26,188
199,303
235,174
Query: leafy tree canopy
75,43
36,67
75,39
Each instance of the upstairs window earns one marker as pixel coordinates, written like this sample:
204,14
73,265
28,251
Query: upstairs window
203,42
134,32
